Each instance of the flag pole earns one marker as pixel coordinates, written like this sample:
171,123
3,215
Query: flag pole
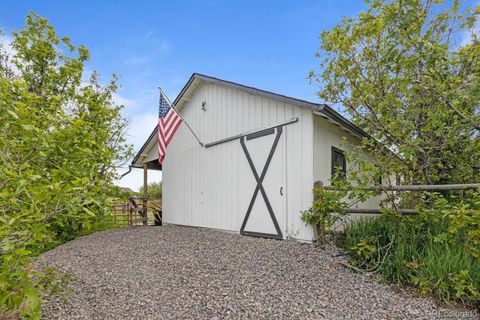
186,123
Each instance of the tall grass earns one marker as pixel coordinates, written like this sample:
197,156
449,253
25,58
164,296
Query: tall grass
416,253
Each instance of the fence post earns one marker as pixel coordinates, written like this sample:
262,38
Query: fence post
318,233
145,193
131,205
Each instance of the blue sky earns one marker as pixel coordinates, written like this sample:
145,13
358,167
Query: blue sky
266,44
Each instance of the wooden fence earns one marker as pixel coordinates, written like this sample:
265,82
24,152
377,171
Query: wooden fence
392,189
121,214
137,211
403,188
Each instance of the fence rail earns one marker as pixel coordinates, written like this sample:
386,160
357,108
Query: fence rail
137,211
407,212
423,187
404,188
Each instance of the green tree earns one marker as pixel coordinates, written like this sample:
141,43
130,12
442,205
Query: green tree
154,190
61,140
401,73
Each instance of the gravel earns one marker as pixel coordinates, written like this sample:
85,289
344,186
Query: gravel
173,272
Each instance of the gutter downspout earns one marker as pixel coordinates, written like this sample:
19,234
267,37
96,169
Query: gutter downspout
129,170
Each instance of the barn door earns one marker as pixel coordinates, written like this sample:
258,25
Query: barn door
266,212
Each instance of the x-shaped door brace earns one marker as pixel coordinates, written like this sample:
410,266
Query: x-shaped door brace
259,186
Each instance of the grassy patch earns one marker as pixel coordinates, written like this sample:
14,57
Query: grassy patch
416,253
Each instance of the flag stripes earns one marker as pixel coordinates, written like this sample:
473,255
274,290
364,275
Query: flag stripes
168,123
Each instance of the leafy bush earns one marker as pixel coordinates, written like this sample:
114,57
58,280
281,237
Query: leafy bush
154,190
329,206
394,69
432,251
324,212
61,139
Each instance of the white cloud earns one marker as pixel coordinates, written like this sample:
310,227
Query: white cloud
141,125
468,35
151,34
164,46
6,44
6,47
154,46
139,130
152,37
157,48
136,61
124,101
134,180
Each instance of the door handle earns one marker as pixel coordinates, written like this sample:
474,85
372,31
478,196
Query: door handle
281,191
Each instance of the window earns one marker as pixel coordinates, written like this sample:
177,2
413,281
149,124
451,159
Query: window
339,163
378,177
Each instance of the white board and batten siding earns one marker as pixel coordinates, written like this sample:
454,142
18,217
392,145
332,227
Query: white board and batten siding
212,187
326,136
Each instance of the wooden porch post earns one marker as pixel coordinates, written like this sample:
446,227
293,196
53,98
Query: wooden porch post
145,193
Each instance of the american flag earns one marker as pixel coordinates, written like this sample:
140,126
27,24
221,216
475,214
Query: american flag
168,123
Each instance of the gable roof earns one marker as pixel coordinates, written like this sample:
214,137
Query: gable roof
318,108
321,108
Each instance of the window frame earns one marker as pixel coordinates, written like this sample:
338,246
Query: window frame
338,151
378,179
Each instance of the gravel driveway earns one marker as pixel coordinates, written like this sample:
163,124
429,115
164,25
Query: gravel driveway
173,272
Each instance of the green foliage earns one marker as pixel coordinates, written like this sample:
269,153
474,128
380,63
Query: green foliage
434,251
52,282
326,210
400,73
154,190
329,206
61,137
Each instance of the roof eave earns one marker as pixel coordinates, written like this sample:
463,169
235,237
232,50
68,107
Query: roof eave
142,149
252,90
315,107
336,117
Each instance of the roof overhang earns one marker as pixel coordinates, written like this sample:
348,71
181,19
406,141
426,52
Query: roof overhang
336,118
139,158
197,79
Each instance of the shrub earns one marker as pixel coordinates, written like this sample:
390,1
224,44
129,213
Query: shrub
154,190
62,139
418,252
324,212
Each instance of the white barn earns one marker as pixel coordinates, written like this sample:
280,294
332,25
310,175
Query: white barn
262,154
